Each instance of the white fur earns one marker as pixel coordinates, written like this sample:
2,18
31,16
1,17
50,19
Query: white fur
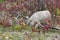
38,16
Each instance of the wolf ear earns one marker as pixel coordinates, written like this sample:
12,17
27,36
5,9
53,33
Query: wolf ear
26,17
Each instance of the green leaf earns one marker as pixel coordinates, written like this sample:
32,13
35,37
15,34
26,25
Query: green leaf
42,37
1,0
17,27
27,27
57,12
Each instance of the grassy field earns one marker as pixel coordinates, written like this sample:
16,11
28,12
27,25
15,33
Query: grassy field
11,33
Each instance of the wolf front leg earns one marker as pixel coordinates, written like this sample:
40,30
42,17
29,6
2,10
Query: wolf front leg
38,24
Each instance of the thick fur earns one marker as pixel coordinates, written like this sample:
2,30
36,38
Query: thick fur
38,16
